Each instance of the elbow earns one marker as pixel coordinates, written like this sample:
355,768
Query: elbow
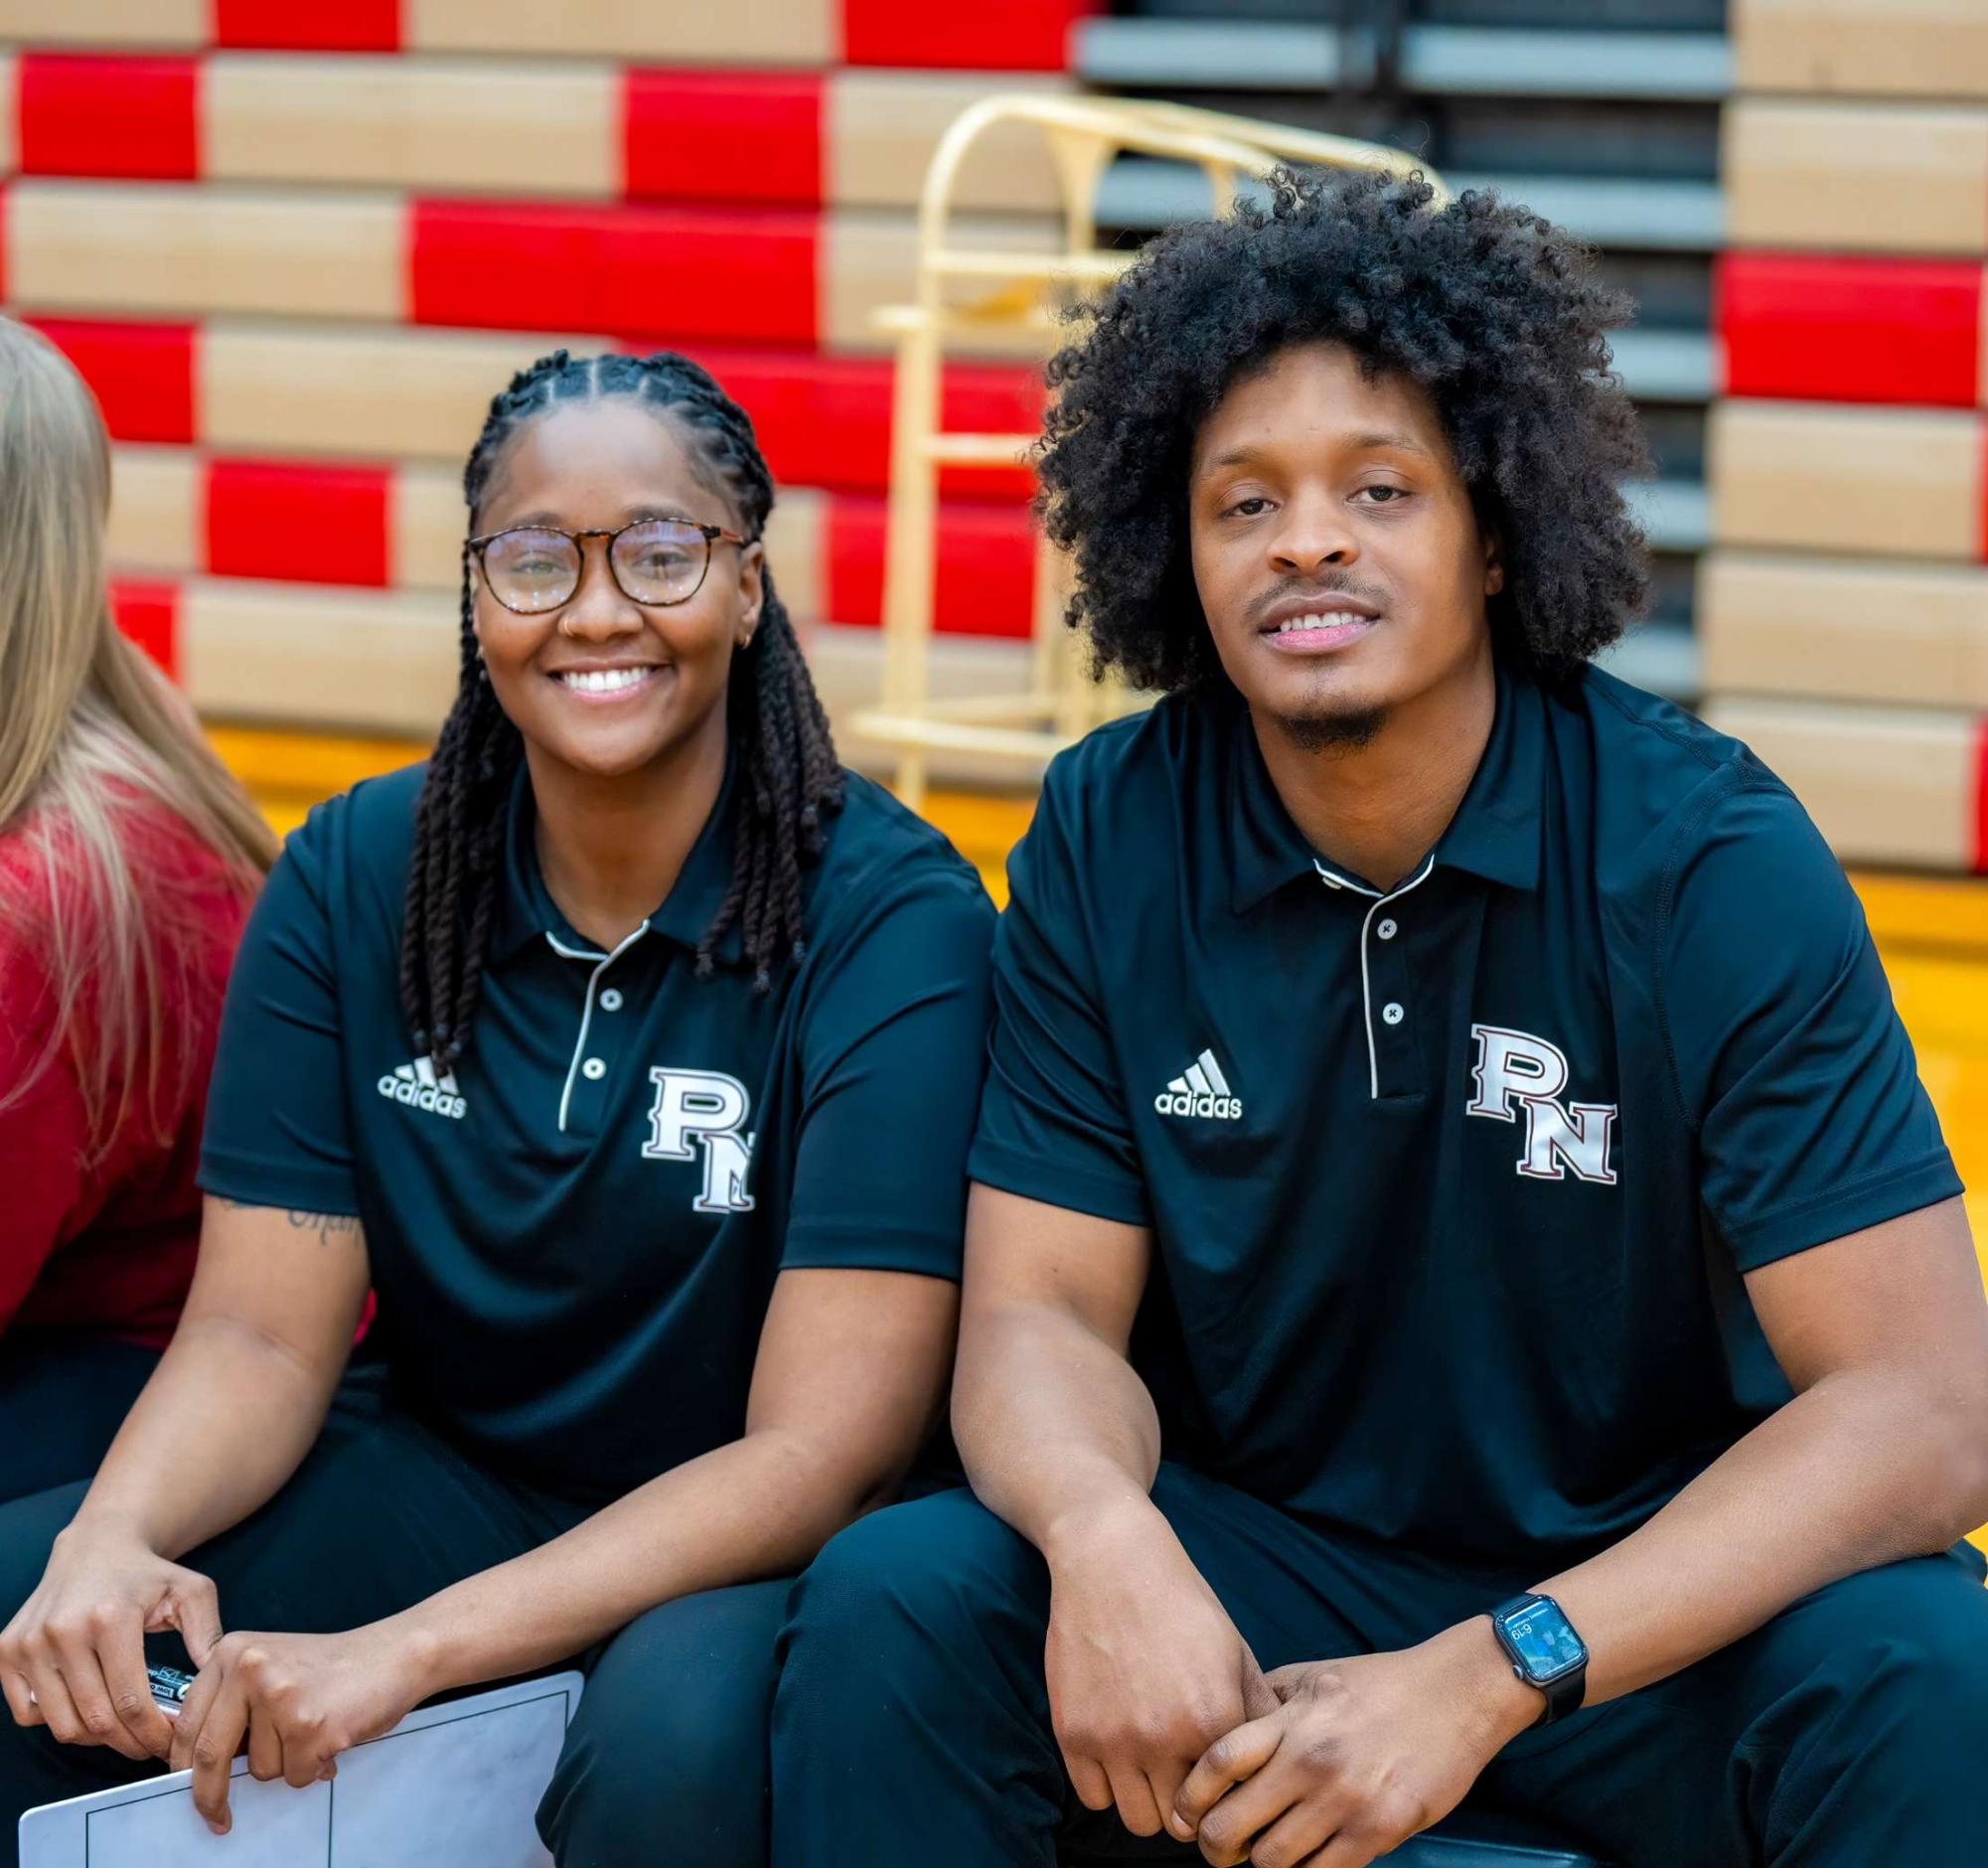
1955,1501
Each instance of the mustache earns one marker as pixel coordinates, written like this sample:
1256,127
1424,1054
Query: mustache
1334,584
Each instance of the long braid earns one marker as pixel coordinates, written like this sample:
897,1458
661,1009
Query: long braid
789,777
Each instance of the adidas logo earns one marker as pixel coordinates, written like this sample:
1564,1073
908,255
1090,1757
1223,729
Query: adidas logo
1200,1090
419,1087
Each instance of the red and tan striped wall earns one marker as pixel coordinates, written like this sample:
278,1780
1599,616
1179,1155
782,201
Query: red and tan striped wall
1843,611
1022,34
295,270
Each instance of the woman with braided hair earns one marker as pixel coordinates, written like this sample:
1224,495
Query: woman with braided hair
628,1052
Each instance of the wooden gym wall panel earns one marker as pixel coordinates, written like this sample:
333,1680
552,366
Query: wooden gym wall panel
413,123
1018,35
1855,177
158,509
396,391
10,153
1919,48
1898,482
148,614
131,119
797,548
723,136
986,583
666,272
1832,329
297,25
87,246
143,376
356,659
362,393
1845,629
884,126
742,32
109,23
426,524
296,519
1885,785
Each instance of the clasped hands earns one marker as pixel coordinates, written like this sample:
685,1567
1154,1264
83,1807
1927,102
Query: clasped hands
1160,1710
73,1659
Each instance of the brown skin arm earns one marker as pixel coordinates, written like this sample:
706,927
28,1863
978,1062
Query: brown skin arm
227,1416
849,1380
1060,1439
1882,1455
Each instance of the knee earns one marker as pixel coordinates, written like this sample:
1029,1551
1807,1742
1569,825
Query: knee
648,1778
907,1596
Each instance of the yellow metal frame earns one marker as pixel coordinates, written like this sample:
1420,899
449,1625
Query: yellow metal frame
970,295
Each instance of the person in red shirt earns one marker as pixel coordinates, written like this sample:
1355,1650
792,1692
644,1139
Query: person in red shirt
128,857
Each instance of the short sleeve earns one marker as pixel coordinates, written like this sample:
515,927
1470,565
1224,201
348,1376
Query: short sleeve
276,1132
1053,1125
1789,1057
893,1047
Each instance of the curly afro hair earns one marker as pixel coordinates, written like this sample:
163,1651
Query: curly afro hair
1495,313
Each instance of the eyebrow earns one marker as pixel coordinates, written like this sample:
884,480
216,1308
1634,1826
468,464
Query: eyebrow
1373,439
631,516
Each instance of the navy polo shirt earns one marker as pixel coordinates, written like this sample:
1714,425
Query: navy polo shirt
575,1236
1451,1186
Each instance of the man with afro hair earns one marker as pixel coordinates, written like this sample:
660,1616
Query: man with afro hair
1466,1297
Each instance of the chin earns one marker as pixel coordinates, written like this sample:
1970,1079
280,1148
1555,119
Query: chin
1344,728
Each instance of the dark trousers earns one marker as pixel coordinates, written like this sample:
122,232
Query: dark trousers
62,1397
666,1758
912,1724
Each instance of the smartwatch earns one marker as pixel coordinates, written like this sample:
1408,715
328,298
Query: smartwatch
1545,1652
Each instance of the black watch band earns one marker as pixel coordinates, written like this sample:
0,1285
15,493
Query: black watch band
1565,1689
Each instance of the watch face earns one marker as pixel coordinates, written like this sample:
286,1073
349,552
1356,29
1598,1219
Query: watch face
1544,1642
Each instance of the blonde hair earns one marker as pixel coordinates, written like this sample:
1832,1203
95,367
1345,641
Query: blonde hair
93,742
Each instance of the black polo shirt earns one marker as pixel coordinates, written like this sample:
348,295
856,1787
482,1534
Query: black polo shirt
1451,1186
573,1238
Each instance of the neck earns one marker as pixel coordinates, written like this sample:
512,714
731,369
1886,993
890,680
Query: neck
1377,810
611,849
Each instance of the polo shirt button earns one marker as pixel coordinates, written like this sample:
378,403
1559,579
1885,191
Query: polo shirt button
610,1001
1386,931
1392,1013
593,1069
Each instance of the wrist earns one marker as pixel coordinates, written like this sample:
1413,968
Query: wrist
423,1649
107,1524
1501,1704
1097,1525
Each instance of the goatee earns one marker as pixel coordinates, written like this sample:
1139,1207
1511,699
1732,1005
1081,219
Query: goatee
1349,730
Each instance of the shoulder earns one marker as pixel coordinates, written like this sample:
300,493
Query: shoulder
1709,842
1119,792
364,833
880,856
1667,785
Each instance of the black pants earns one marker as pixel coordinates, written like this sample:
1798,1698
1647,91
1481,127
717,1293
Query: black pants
666,1759
62,1397
912,1723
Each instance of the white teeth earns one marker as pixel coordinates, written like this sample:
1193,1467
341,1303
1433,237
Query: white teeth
1327,619
603,680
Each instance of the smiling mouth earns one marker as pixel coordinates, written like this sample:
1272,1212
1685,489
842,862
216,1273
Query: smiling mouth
1317,632
598,682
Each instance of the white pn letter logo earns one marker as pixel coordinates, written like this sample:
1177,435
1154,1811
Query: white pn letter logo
1514,1068
708,1108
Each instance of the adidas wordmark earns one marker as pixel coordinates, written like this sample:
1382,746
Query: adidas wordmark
1200,1090
419,1087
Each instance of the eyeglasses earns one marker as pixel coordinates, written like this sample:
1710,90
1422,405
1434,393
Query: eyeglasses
532,569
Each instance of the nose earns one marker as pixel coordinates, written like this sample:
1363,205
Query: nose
1315,535
600,610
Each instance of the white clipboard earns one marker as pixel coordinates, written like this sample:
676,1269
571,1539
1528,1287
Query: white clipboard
453,1785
